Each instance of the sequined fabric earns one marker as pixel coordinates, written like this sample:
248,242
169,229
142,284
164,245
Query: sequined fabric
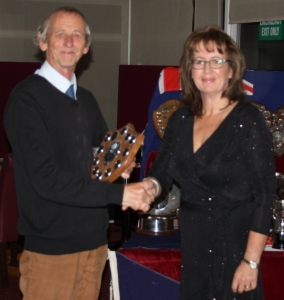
228,188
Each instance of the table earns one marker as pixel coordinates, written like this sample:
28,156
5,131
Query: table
149,268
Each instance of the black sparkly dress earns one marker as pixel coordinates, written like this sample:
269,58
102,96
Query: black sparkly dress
228,188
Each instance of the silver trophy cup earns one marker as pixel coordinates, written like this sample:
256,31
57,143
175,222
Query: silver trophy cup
278,224
160,219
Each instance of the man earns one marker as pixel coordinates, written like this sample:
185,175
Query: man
63,212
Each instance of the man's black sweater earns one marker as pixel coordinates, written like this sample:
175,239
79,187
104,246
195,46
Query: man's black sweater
62,210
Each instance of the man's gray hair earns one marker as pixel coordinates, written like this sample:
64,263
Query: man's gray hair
43,28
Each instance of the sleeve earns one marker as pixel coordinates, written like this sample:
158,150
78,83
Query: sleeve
31,140
260,167
160,167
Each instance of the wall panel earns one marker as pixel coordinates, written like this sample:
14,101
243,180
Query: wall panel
249,11
159,30
208,12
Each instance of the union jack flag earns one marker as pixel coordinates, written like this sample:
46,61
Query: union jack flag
248,87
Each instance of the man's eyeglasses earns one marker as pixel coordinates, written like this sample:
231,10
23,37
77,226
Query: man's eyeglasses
215,63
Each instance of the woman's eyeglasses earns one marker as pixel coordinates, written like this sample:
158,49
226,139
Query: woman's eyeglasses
215,63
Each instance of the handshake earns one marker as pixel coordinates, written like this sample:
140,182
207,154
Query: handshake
139,195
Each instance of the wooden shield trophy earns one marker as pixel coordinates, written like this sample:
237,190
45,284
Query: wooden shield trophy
163,113
115,153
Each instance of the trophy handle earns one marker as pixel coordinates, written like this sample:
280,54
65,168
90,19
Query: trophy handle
115,153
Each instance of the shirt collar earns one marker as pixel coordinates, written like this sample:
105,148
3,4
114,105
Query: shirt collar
55,78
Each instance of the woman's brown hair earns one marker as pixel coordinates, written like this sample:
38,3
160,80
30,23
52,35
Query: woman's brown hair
211,36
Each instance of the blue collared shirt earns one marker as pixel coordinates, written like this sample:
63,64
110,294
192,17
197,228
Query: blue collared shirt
56,79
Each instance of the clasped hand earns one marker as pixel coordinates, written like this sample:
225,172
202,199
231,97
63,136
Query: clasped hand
139,195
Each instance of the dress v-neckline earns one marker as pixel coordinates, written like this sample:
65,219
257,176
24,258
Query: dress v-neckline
213,133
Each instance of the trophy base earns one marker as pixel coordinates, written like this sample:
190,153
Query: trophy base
156,225
278,241
277,245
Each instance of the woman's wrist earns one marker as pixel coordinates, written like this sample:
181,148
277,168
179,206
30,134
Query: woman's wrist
157,185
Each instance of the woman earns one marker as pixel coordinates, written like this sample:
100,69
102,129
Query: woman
219,150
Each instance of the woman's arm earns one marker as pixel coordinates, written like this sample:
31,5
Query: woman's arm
245,277
160,170
260,169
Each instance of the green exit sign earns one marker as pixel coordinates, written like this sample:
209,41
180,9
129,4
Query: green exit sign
271,31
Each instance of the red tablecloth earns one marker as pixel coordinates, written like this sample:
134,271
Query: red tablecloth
167,262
